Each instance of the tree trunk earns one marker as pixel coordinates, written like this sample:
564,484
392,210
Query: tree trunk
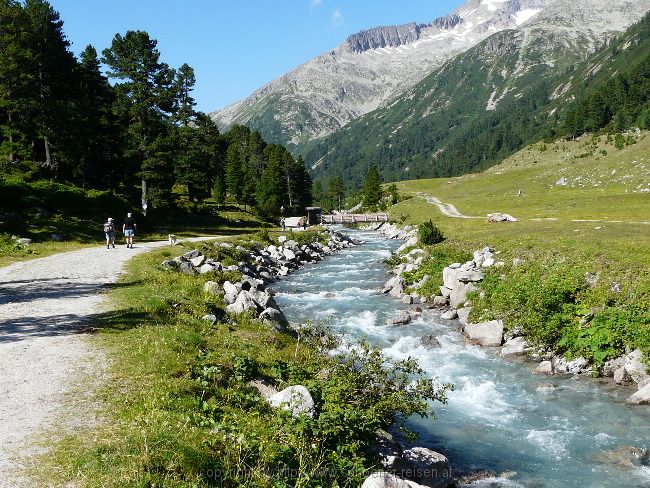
48,153
11,139
145,204
289,191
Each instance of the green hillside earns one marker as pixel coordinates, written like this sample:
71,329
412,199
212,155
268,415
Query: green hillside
574,278
509,91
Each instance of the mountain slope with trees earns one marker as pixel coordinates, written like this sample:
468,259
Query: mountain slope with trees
510,90
140,137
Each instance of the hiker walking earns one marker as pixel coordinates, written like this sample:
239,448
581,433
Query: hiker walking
283,224
128,228
109,231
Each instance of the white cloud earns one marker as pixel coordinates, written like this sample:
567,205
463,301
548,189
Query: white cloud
314,3
337,18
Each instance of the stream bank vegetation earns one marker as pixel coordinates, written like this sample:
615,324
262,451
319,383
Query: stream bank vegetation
179,409
575,276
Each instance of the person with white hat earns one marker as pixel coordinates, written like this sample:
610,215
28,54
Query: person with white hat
109,230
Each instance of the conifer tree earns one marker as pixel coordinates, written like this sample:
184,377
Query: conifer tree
372,188
146,97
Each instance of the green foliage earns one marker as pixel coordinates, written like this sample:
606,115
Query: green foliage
430,234
538,298
438,257
181,410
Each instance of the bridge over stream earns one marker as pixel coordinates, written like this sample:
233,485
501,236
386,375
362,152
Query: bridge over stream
346,218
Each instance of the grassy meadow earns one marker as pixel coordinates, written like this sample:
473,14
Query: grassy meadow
583,285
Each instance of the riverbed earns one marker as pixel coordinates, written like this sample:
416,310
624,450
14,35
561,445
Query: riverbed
541,431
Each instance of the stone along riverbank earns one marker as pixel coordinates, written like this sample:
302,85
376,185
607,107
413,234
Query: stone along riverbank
519,428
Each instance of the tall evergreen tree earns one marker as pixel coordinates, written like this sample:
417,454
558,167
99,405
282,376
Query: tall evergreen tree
337,191
372,188
147,96
271,190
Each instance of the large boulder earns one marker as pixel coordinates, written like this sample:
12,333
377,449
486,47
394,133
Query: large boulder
295,399
383,479
545,367
429,341
641,397
402,319
198,260
449,278
289,254
262,299
634,365
230,292
427,467
622,377
243,303
459,294
488,334
449,314
470,276
514,347
276,317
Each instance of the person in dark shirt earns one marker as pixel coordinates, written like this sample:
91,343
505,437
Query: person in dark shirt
128,229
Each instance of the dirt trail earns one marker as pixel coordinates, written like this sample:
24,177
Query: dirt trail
44,305
447,209
450,210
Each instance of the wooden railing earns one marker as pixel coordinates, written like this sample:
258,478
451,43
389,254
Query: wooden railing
353,218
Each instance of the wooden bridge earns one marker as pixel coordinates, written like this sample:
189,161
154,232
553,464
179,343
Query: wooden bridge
345,218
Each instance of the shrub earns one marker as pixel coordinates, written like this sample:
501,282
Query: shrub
430,234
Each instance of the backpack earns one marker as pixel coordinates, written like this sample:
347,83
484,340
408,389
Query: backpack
109,227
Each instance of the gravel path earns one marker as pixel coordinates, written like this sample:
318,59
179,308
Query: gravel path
447,209
44,305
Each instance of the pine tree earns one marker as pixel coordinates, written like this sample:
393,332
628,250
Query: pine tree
146,97
337,191
317,192
372,192
271,190
234,171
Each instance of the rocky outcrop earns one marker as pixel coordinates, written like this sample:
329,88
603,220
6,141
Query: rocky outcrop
390,36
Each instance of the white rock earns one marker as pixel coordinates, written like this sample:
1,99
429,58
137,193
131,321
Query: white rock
427,467
295,399
634,365
210,318
206,268
383,479
463,315
449,277
212,287
282,239
458,295
641,397
289,254
230,292
488,334
198,261
243,303
449,314
545,367
514,347
445,292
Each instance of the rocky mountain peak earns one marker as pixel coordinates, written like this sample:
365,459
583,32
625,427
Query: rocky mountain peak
393,36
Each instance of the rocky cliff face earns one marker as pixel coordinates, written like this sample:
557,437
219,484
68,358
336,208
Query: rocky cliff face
369,69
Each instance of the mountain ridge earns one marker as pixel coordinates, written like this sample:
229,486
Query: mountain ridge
368,69
480,105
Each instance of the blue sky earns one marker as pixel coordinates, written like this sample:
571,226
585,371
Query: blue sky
237,46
